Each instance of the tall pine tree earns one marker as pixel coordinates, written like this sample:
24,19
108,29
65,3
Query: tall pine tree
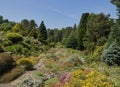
82,30
43,31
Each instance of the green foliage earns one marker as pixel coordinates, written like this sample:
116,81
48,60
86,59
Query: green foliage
12,74
44,48
38,73
32,24
51,82
32,29
6,26
98,29
59,45
52,44
71,41
114,35
73,60
27,40
27,63
14,37
43,31
6,62
52,56
101,41
98,52
3,20
33,33
17,49
17,28
6,43
25,24
117,81
43,41
112,54
50,34
82,30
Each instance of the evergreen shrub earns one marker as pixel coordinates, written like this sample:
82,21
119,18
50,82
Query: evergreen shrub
112,54
27,63
14,37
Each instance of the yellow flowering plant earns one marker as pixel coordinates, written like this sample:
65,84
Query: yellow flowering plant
88,78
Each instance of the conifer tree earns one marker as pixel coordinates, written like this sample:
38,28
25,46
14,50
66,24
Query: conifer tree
82,30
71,42
43,31
111,54
32,24
25,23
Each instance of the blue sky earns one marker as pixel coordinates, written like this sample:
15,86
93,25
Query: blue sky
55,13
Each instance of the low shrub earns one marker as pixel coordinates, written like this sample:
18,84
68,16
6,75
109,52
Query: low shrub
75,60
27,40
38,73
6,62
14,37
51,82
17,28
11,75
26,62
6,43
26,45
88,78
98,52
52,44
112,54
45,48
18,49
52,56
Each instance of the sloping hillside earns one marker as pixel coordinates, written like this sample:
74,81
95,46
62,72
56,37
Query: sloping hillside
61,67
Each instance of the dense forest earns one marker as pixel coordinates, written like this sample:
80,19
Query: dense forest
86,54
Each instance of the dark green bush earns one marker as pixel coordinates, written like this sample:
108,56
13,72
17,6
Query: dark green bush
6,43
52,44
14,37
112,54
27,40
18,49
26,45
45,48
6,62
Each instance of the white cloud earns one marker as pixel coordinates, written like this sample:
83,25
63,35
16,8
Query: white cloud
62,13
